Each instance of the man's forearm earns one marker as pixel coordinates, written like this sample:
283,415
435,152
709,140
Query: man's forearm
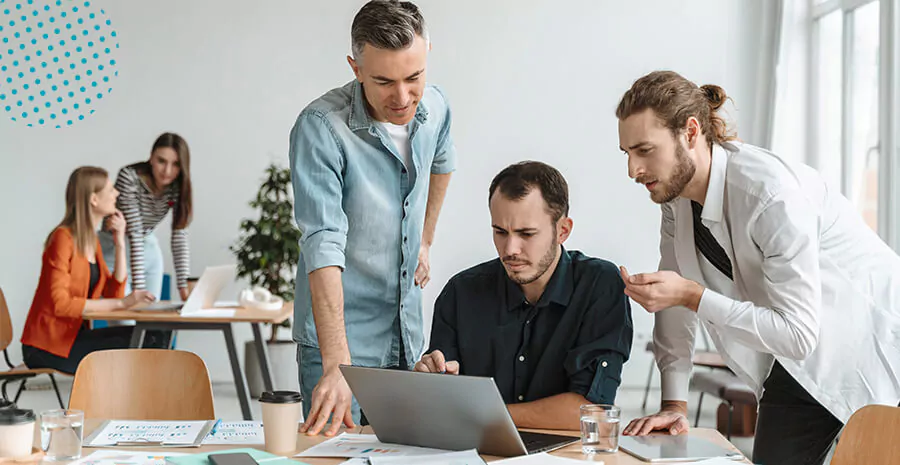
437,189
555,412
328,311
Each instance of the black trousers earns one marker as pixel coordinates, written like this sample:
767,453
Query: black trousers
91,340
792,427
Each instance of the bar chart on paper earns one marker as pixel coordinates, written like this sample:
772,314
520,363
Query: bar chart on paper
236,432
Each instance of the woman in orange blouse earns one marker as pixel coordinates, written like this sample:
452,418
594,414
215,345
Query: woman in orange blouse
75,279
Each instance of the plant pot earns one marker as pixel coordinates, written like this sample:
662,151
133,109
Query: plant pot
282,359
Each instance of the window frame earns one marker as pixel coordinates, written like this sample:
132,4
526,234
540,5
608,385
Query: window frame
888,111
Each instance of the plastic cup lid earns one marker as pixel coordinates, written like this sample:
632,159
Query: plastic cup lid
16,416
280,397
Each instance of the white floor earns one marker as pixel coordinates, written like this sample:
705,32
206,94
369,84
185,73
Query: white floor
41,397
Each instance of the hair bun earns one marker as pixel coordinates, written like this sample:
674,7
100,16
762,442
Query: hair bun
715,95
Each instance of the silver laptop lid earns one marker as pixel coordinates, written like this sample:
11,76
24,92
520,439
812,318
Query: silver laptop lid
434,410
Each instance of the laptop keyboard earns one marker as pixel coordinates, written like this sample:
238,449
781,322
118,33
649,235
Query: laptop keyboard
539,442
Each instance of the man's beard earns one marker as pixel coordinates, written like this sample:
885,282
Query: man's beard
681,176
542,267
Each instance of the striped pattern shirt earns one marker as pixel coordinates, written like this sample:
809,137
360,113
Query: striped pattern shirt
143,211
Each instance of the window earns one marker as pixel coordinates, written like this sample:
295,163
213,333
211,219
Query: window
847,38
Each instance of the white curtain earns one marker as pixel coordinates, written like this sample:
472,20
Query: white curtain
788,129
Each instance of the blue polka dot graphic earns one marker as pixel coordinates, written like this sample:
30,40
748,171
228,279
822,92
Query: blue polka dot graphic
57,60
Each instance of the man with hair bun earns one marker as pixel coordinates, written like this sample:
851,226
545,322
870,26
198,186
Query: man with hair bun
798,294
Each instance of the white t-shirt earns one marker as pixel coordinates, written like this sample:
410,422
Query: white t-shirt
400,135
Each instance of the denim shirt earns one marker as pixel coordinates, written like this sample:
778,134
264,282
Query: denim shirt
359,209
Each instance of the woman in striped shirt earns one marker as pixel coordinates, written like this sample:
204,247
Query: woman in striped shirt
148,190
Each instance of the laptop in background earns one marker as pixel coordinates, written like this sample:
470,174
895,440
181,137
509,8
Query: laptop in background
204,295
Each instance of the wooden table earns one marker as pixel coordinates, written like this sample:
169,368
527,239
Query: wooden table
147,320
304,442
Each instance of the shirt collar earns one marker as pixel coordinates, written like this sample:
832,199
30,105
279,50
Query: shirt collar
359,114
559,288
715,192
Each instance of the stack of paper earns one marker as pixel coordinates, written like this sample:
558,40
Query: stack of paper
156,433
467,457
364,445
118,457
543,459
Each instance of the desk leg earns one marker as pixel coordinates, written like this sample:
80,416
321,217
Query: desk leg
263,354
240,381
137,336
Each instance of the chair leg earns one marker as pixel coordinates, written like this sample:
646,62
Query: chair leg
56,388
699,408
3,389
730,419
647,388
19,391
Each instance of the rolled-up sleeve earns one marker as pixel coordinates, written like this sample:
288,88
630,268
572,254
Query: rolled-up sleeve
595,364
317,164
445,153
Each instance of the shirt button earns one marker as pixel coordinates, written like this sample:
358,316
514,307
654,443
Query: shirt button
522,359
405,239
403,170
521,398
406,204
404,275
603,364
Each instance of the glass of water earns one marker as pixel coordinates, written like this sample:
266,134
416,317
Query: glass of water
61,434
599,428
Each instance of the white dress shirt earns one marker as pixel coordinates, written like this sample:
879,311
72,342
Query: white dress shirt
814,287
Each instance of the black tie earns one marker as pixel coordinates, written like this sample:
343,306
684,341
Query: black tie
707,244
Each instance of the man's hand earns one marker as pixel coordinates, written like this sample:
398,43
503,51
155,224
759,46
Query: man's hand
435,363
661,290
423,271
672,420
183,293
330,398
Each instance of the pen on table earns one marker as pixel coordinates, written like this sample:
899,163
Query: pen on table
215,426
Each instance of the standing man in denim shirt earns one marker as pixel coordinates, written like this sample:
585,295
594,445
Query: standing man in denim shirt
370,163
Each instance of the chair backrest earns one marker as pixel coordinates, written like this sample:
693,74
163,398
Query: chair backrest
6,330
143,384
871,437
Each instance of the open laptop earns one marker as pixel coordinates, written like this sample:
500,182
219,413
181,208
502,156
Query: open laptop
204,294
443,412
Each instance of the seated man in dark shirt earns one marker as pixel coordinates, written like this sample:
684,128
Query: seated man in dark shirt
551,326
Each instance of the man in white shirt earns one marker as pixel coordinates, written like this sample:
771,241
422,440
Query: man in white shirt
800,297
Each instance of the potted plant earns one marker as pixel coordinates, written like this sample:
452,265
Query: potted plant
267,253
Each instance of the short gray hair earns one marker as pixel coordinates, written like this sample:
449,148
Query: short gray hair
386,24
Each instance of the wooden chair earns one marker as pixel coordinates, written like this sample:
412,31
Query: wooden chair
19,372
143,384
871,437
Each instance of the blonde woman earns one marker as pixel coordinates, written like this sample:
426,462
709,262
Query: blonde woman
74,279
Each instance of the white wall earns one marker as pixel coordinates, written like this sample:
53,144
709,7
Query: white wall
526,80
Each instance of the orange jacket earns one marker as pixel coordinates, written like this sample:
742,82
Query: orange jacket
55,315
